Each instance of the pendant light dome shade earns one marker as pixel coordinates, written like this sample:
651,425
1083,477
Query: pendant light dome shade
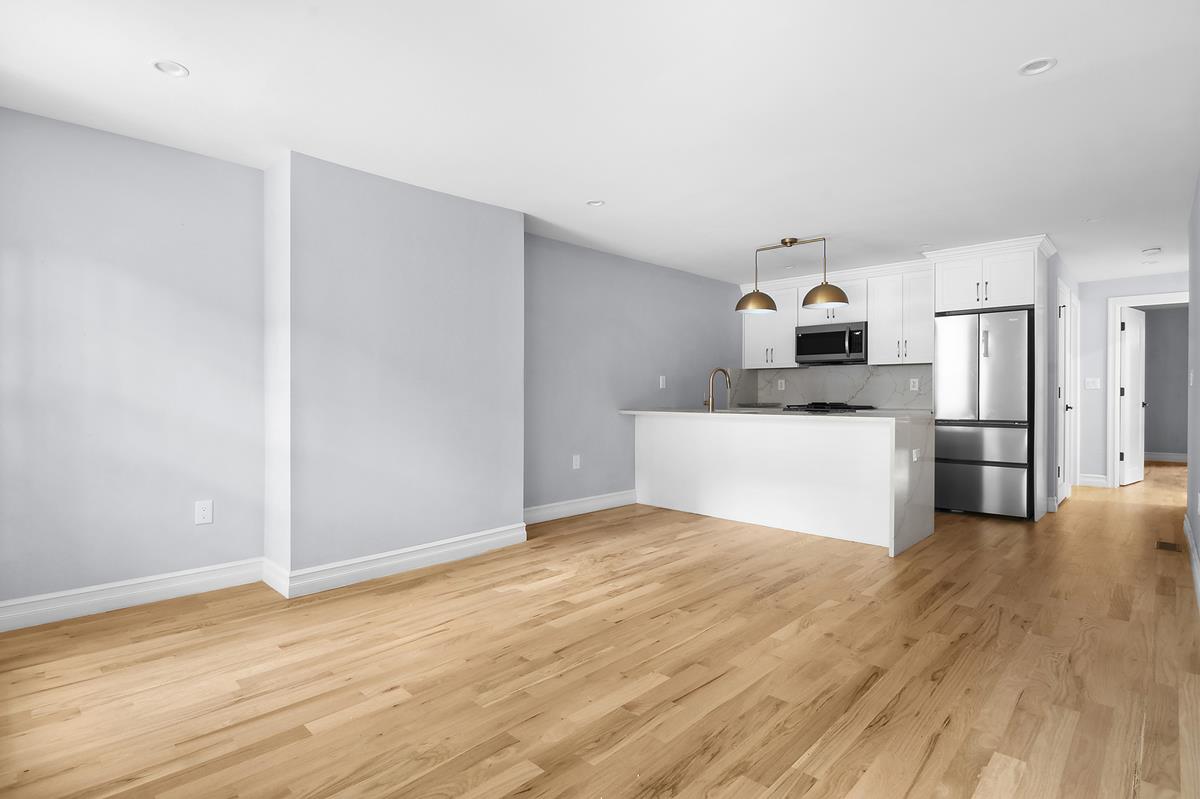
756,302
825,295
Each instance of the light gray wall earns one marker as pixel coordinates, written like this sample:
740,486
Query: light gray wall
277,368
1166,379
131,383
1093,358
1193,395
599,330
407,404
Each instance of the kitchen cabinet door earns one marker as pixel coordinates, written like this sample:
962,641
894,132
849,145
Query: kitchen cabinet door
885,325
783,348
769,340
1008,279
917,346
856,311
959,284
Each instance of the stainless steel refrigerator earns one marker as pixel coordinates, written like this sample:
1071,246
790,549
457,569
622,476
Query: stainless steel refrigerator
983,404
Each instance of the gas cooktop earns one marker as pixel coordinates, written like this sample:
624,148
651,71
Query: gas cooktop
828,407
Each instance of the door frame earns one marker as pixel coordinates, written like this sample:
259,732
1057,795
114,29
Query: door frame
1064,425
1112,410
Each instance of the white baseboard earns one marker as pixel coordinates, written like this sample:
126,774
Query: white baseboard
574,507
301,582
1170,457
44,608
1193,555
1094,480
275,576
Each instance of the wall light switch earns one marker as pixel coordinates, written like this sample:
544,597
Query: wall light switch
204,511
662,381
914,384
574,461
782,385
1091,383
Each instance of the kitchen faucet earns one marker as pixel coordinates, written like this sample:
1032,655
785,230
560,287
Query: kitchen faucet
711,399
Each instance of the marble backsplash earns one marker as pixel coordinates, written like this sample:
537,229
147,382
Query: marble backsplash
881,386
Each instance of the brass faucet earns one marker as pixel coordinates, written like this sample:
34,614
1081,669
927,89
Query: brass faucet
711,400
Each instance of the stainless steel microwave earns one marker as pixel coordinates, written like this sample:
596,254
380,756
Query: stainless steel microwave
845,342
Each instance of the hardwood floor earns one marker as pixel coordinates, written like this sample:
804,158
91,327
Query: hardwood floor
643,652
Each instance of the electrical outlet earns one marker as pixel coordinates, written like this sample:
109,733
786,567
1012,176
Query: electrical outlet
574,461
914,384
204,511
916,453
782,385
662,381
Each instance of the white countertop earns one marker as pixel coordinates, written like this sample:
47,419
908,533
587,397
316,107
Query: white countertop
878,413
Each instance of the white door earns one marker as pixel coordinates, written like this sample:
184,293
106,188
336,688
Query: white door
959,284
1008,279
1132,376
1062,406
917,346
885,328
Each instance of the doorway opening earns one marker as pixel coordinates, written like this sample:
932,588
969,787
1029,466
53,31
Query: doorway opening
1147,384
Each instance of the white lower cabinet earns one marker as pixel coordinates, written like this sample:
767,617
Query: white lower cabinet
769,340
900,326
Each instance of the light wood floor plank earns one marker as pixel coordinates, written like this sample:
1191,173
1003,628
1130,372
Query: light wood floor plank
639,652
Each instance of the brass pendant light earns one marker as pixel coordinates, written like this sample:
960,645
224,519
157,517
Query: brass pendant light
757,301
825,295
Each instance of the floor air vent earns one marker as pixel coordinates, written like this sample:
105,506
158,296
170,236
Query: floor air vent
1170,546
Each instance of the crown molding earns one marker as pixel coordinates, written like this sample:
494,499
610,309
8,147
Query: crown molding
857,273
1040,242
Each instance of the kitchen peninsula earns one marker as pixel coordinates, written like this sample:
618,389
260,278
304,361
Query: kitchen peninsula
865,476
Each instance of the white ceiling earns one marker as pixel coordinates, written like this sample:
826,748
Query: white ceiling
708,127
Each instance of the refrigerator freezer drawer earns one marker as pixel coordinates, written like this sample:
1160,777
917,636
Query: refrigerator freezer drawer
1004,444
981,489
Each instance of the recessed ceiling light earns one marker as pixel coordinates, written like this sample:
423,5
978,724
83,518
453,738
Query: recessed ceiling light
595,203
172,69
1037,66
1151,251
1090,219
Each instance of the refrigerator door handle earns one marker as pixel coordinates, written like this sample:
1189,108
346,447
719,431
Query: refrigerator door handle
985,344
847,342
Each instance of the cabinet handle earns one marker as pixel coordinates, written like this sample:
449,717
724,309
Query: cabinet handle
905,348
985,290
772,355
976,291
897,348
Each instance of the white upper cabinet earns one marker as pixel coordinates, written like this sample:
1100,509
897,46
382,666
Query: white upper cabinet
1008,279
856,311
995,280
918,317
885,328
769,339
900,327
959,284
